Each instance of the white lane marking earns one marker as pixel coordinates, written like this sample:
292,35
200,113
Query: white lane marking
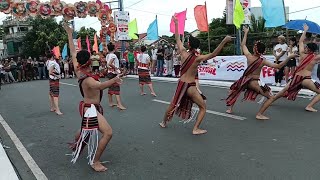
68,84
6,168
37,172
210,112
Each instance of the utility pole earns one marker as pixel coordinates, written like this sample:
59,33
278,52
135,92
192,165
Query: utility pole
122,42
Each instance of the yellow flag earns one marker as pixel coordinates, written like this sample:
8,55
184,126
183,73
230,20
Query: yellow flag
133,29
238,14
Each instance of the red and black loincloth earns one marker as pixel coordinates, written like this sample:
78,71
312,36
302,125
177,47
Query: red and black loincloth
144,76
296,82
295,86
242,85
54,87
181,101
115,88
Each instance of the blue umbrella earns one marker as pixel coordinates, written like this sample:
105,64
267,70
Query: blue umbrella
298,25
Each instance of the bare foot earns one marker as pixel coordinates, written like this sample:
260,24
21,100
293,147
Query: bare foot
163,125
121,107
112,105
199,131
261,117
311,109
154,94
229,111
58,112
98,167
142,94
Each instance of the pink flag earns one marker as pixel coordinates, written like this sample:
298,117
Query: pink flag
88,44
181,16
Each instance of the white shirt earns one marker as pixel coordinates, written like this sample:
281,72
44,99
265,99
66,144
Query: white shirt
154,54
66,65
56,67
294,51
279,48
143,59
115,63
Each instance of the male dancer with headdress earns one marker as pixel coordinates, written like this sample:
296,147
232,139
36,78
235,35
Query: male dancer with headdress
301,77
54,76
90,109
144,64
250,80
113,64
187,93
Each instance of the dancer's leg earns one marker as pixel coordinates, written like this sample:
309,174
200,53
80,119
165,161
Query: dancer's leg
309,84
106,131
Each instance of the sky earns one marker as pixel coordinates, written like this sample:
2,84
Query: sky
145,12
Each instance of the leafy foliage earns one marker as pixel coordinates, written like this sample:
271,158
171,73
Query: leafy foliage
45,31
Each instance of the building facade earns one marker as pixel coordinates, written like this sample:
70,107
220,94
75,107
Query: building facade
14,32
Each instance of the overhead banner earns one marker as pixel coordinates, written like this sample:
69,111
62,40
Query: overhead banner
122,20
246,4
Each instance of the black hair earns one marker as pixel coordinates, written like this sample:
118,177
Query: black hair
312,47
143,48
83,57
194,43
293,39
261,48
49,55
110,47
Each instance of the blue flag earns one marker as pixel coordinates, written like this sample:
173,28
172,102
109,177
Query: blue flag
152,32
100,47
273,12
64,53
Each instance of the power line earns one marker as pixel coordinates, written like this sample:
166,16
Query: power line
134,3
304,10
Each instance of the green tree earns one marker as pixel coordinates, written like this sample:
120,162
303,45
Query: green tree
45,31
83,33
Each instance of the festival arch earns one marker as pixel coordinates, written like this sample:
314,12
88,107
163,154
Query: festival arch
116,29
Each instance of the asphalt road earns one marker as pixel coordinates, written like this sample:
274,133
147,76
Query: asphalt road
285,147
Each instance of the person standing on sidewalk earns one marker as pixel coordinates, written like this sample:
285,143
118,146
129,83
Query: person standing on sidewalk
160,61
280,54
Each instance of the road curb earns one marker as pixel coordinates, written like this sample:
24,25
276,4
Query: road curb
6,169
221,84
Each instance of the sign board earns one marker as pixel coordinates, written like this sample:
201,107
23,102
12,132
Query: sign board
122,20
246,4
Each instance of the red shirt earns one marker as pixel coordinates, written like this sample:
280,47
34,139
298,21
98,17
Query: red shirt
135,54
125,56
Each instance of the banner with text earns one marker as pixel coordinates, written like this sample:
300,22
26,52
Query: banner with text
231,68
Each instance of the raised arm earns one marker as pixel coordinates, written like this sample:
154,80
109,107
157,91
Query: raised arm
73,51
216,51
279,66
177,36
302,38
244,47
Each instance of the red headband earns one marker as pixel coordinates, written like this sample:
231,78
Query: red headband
87,64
